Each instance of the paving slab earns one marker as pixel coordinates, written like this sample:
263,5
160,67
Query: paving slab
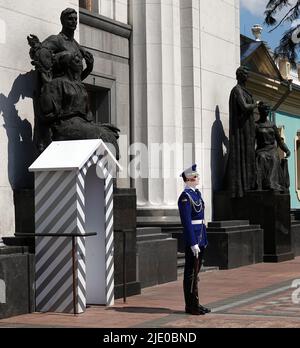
259,295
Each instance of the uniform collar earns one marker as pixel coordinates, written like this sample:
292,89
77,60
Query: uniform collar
187,187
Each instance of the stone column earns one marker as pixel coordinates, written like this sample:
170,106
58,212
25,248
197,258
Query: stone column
184,57
157,106
219,59
191,79
210,47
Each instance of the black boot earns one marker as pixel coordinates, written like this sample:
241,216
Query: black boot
194,311
204,309
192,305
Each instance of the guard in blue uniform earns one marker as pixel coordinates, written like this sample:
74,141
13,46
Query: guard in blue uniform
191,208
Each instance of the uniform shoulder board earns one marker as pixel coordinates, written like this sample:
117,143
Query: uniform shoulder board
184,198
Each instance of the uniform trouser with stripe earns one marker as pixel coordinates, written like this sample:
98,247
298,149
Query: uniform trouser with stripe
190,280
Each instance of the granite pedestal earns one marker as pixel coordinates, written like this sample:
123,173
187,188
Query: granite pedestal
295,226
157,246
16,281
157,256
233,244
24,220
125,226
270,210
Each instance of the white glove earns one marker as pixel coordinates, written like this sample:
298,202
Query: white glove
195,250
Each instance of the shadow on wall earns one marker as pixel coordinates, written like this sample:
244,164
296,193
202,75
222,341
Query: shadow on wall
219,153
21,147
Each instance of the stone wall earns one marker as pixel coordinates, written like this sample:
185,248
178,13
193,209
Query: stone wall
17,20
108,41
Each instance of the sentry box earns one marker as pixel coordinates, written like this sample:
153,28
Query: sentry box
74,263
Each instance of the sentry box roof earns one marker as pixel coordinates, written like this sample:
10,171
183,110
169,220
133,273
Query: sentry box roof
69,155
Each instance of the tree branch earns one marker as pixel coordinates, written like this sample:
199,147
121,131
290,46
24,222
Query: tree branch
282,20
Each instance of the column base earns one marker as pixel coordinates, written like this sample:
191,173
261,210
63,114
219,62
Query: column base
16,282
269,209
279,257
233,244
133,288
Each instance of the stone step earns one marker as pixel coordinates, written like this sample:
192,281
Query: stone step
209,268
158,221
247,230
229,223
180,271
151,237
295,222
157,212
295,214
148,230
172,229
181,263
234,229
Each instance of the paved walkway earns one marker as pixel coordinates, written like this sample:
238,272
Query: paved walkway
253,296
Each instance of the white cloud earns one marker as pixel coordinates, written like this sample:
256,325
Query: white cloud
295,23
256,7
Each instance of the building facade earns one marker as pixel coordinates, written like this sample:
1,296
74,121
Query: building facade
157,75
276,83
291,131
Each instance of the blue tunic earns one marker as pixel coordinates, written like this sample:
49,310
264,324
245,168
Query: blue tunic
191,208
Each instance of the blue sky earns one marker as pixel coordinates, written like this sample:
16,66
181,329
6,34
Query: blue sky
252,12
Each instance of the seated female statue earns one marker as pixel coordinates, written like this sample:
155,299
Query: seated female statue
64,102
272,173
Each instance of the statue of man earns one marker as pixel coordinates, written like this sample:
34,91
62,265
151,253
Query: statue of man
65,42
242,171
63,98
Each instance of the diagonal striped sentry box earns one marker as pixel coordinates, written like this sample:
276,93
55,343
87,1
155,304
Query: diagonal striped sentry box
74,195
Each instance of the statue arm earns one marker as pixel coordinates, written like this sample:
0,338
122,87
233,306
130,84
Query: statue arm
51,102
52,43
281,143
89,60
242,102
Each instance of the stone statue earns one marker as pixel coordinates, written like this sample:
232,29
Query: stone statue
63,96
272,173
241,164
